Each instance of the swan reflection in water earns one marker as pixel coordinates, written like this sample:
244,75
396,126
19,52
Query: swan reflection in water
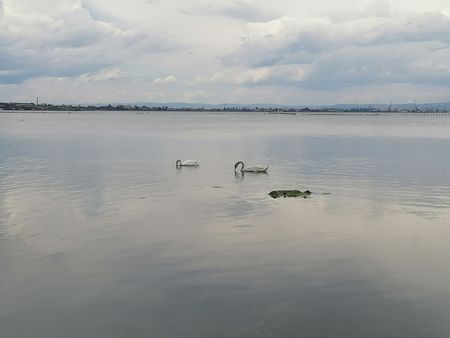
239,176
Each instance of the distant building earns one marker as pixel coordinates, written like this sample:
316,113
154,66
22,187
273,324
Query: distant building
24,106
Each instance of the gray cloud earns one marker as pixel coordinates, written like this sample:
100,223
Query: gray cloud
69,44
236,9
321,54
106,49
97,13
286,37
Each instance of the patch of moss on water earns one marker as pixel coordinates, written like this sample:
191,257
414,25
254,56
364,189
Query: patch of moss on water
289,193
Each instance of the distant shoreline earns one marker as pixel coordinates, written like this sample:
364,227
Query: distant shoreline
48,108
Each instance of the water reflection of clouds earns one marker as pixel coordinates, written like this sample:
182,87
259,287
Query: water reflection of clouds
408,170
313,277
421,160
111,224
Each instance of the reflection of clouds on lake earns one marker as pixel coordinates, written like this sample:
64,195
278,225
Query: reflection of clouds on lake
239,207
97,224
412,171
422,159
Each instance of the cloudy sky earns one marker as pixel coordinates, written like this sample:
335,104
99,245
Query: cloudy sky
225,51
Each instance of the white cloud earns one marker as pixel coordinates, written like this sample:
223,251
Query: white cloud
318,53
93,50
166,80
257,75
446,12
247,10
103,75
277,40
69,43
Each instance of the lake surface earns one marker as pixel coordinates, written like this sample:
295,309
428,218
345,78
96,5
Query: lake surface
101,236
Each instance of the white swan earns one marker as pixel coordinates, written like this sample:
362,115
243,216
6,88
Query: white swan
251,169
187,163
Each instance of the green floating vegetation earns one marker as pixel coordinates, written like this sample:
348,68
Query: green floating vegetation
289,193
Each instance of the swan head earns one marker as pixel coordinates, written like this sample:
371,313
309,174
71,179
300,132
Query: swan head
237,165
178,163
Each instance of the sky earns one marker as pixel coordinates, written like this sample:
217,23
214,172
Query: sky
235,51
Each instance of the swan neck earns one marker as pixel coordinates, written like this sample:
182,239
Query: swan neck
237,165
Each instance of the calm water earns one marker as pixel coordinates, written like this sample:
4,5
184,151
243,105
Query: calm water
100,235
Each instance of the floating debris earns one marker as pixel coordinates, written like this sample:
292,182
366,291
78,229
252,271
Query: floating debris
289,193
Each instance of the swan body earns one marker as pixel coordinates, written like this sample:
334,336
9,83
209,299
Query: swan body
187,163
252,168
